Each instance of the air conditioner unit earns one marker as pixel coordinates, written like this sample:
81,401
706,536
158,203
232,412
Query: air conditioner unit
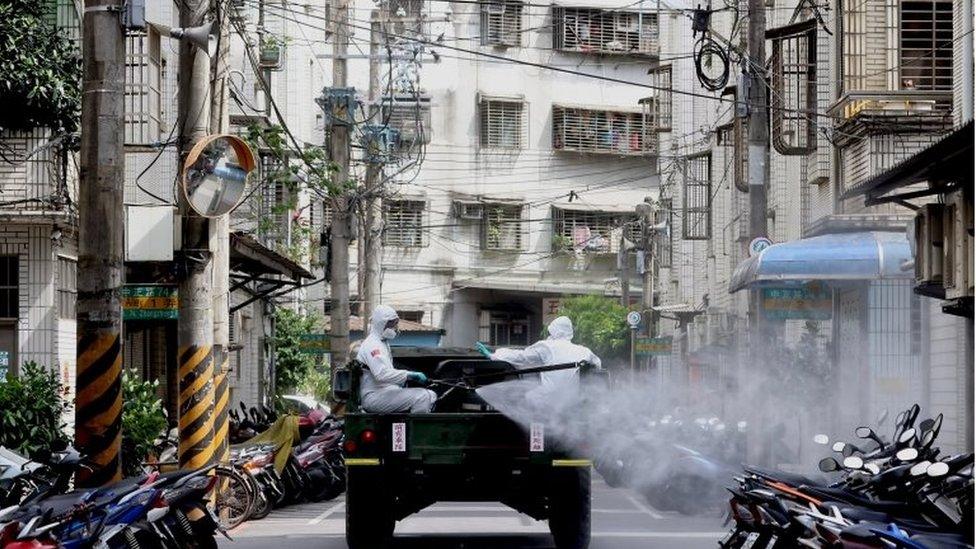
929,245
957,228
468,210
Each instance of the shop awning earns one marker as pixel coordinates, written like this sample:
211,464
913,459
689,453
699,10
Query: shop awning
870,255
259,270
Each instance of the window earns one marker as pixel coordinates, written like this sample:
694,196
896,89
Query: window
409,115
503,328
925,35
696,223
404,223
589,30
407,18
853,37
501,227
657,107
143,76
598,131
665,249
502,123
501,23
593,231
9,286
411,316
67,288
793,92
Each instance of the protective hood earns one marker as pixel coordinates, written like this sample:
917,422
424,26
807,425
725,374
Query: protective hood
561,329
377,321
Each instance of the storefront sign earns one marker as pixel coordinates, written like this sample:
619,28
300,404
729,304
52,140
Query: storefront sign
150,303
652,346
315,344
810,302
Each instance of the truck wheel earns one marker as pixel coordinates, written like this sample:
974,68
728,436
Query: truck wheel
569,507
369,513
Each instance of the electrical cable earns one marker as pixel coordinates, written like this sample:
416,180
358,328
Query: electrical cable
707,53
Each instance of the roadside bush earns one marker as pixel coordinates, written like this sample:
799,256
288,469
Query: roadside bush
32,410
295,370
600,323
143,420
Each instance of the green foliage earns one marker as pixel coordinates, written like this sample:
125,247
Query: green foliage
33,406
294,370
600,323
142,421
40,70
317,384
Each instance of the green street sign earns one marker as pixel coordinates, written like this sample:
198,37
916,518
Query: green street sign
652,346
150,303
809,302
315,344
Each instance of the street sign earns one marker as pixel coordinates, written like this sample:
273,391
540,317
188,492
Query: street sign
150,302
634,319
652,346
758,245
315,344
809,302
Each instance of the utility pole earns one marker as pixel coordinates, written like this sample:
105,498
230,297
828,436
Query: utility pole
98,404
372,237
646,212
196,328
220,244
624,273
339,142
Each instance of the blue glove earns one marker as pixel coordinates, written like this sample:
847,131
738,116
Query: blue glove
418,377
483,349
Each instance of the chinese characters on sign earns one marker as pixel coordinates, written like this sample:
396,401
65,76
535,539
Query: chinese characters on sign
315,344
652,346
537,438
399,437
150,303
810,302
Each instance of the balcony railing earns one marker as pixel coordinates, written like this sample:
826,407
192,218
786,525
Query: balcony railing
35,174
591,30
600,131
892,103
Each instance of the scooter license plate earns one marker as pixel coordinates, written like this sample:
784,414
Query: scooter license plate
750,541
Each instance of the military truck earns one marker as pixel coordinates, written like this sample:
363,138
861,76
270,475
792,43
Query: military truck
398,464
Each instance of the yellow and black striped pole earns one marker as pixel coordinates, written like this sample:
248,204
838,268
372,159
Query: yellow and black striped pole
98,413
196,406
221,407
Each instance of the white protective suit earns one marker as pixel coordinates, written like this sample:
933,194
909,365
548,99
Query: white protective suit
381,387
558,348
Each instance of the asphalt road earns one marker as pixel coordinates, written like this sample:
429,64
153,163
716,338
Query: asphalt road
621,520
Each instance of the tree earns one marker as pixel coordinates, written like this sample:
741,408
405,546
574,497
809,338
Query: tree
40,70
296,370
600,323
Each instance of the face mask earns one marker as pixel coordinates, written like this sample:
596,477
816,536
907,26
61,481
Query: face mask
390,333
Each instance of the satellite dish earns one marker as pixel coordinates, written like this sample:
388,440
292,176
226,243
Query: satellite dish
215,174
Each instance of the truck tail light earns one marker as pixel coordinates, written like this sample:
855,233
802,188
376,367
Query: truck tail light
368,436
350,446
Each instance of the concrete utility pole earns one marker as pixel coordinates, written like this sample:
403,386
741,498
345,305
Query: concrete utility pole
196,328
339,141
372,237
646,211
758,133
220,244
98,404
624,273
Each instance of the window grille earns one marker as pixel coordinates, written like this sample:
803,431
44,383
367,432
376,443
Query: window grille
503,124
501,23
9,286
696,223
407,18
143,76
589,30
409,115
853,39
657,112
500,328
925,35
734,134
67,288
598,131
593,231
404,223
664,249
501,227
793,91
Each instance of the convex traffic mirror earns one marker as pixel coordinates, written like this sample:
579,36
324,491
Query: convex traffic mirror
215,174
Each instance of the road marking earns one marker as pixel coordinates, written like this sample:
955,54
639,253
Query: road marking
644,508
328,512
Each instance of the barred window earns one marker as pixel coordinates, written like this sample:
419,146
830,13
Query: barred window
409,115
404,223
67,288
664,248
696,223
9,286
501,23
793,97
925,35
501,227
590,30
502,123
598,131
592,230
853,38
143,77
657,113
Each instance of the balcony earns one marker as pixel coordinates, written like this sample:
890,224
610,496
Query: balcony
600,131
36,176
858,104
597,31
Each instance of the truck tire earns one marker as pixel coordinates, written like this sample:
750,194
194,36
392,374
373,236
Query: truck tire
369,512
569,507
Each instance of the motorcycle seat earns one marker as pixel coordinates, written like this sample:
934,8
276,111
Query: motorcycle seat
839,494
782,476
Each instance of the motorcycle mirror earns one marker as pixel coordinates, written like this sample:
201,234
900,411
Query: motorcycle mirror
720,427
822,440
853,462
828,465
926,425
937,426
907,454
713,421
920,468
873,468
928,437
907,436
863,432
838,446
741,425
938,469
